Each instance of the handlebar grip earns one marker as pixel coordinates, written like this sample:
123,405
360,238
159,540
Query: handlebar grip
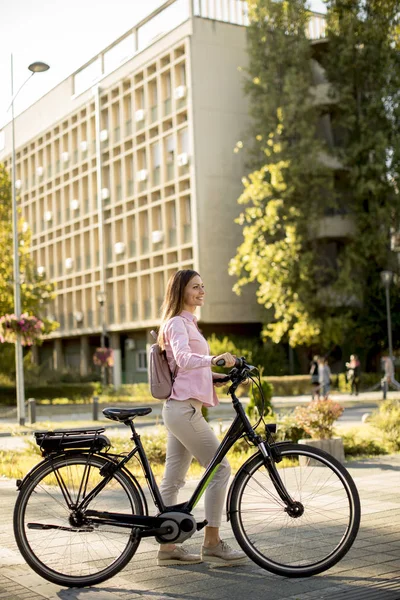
220,362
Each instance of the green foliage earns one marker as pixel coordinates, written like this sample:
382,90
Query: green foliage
288,429
356,445
260,402
298,178
35,291
271,357
71,391
291,385
318,417
387,420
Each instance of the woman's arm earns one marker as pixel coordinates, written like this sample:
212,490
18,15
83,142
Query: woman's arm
177,336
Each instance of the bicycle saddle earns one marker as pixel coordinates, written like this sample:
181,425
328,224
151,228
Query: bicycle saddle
124,414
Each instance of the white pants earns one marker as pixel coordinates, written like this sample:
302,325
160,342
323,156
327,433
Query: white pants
190,435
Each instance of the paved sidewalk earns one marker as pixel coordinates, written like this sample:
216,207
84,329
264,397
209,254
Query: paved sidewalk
370,571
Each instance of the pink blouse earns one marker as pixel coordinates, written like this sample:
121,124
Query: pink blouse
186,347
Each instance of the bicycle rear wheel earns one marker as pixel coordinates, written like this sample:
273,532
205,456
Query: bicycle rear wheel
314,539
65,548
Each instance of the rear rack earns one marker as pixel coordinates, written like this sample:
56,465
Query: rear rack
60,440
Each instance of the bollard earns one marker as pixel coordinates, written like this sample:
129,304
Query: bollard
32,410
95,408
384,389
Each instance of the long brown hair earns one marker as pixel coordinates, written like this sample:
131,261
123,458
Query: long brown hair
174,298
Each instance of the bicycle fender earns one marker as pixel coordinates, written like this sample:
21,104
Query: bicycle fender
20,482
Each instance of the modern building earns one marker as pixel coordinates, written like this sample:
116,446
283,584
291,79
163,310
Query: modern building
126,173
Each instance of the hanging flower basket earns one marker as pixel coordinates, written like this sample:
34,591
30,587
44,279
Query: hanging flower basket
29,328
103,357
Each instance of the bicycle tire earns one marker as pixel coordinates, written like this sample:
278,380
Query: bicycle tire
295,546
80,557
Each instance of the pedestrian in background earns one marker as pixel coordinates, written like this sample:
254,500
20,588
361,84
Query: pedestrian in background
314,377
389,378
324,377
353,373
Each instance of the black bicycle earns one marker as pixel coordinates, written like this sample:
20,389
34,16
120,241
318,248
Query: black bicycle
80,513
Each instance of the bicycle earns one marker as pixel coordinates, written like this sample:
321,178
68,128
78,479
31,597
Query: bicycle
294,510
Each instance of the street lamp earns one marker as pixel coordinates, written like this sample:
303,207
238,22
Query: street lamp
101,298
387,278
36,67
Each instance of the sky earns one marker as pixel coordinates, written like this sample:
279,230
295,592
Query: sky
65,35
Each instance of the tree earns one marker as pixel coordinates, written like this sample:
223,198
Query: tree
36,292
315,288
363,66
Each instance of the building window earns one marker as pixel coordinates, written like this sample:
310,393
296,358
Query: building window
141,360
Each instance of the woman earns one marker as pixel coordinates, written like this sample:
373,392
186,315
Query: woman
188,432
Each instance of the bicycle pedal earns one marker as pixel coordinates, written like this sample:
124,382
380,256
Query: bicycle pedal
201,525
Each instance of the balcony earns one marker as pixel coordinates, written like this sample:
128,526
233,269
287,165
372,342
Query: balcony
336,226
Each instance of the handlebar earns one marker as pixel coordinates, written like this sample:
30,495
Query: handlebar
239,363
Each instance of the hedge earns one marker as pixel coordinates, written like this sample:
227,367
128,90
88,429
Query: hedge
73,391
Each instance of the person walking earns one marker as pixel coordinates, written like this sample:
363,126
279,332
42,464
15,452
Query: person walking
324,374
189,434
314,378
353,373
389,376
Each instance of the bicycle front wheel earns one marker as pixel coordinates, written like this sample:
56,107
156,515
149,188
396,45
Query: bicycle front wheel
313,539
63,546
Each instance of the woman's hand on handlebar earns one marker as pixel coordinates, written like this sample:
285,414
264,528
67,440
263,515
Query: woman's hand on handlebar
224,360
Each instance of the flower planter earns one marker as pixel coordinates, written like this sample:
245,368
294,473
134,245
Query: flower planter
333,446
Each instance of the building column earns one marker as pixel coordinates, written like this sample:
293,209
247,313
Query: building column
84,363
115,342
58,355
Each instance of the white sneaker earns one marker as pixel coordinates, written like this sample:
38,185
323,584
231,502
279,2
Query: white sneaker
178,556
223,554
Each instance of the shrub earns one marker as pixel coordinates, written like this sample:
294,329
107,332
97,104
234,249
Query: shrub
318,417
354,445
288,429
387,420
291,385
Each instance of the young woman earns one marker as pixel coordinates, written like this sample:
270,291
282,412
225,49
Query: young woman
189,434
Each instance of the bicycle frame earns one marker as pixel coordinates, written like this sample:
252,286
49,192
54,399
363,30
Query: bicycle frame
240,425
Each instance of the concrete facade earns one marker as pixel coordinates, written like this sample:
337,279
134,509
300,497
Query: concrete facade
120,194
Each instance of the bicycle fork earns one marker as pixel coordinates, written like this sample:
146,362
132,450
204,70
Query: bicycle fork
294,508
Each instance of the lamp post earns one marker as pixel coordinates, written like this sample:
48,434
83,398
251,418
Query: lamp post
387,278
101,298
36,67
